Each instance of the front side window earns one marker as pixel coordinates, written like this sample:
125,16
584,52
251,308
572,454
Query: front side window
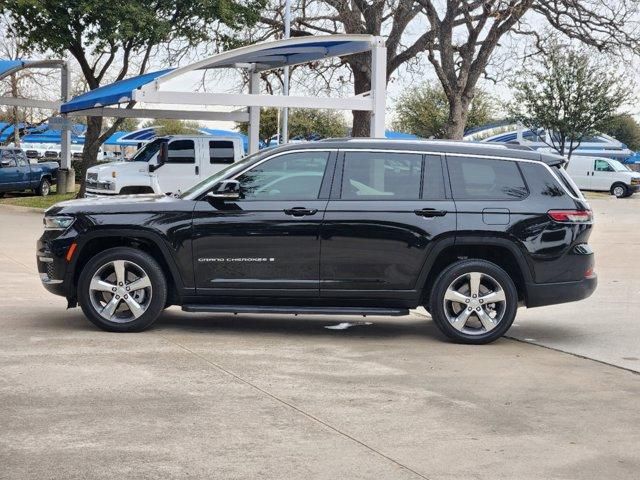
486,179
381,176
21,158
181,151
602,166
148,151
221,152
293,176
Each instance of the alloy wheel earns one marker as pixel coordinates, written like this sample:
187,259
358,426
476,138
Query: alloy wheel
120,291
475,303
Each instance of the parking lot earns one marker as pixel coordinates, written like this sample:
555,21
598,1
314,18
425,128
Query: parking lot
246,397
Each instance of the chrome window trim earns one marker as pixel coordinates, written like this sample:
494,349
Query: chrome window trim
388,150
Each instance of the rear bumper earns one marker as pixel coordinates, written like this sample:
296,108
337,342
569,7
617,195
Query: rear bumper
541,294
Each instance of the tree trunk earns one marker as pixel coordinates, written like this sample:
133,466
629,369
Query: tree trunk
362,83
458,115
89,151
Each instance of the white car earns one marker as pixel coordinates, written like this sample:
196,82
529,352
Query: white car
165,165
603,174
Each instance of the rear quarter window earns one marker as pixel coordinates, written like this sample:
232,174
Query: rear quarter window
475,178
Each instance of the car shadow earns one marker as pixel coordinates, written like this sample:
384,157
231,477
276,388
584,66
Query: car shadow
300,325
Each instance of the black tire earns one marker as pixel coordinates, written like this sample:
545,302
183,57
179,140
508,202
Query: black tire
44,188
453,273
137,261
620,190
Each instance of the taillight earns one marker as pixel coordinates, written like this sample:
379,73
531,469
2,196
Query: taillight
571,216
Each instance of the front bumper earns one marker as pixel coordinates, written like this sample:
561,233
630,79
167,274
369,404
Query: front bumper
51,251
541,294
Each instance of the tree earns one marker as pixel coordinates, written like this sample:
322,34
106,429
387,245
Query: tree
173,127
423,110
461,36
625,128
124,124
568,95
111,39
303,122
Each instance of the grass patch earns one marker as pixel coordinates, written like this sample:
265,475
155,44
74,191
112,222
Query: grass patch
29,199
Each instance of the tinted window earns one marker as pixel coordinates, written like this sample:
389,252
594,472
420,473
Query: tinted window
485,179
433,185
603,166
181,151
380,175
221,152
294,176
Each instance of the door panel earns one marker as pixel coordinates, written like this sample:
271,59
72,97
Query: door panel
10,173
266,243
182,169
376,235
603,175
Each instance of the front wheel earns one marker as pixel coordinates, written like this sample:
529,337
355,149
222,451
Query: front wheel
620,190
473,301
122,290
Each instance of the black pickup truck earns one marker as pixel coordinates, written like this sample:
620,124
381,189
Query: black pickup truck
17,174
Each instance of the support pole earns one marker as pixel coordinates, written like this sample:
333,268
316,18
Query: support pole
66,175
378,87
285,79
254,115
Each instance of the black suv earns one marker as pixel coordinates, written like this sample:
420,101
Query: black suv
367,227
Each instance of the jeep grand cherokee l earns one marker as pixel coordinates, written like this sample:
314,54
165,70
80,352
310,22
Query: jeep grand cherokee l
369,227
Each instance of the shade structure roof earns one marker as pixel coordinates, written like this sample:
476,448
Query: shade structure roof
262,56
112,94
8,67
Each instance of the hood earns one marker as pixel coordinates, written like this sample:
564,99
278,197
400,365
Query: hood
115,204
104,170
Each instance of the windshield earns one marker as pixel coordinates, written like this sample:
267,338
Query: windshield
148,151
209,182
619,167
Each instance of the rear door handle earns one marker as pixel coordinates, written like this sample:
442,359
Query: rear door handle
197,170
300,211
430,212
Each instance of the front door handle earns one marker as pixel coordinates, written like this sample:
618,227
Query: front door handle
430,212
300,211
197,170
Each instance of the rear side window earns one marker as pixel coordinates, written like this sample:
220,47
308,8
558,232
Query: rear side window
221,152
563,176
181,151
486,179
381,176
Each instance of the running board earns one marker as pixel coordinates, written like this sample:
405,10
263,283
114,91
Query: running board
364,311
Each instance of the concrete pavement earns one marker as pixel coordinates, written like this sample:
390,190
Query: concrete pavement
218,396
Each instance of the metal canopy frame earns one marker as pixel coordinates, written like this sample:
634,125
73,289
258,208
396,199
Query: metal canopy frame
14,66
254,59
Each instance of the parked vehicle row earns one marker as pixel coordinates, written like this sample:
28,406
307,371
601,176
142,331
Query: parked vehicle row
18,174
367,227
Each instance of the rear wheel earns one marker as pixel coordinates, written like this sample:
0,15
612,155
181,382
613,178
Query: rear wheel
44,188
122,290
473,301
620,190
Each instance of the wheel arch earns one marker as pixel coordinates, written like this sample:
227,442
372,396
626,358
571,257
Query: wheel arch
96,242
500,251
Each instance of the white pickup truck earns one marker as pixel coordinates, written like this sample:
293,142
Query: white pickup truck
165,165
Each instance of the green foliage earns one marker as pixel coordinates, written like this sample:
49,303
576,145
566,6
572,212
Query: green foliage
302,121
99,25
624,128
424,110
568,95
173,127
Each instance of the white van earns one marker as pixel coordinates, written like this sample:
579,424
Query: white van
603,174
165,165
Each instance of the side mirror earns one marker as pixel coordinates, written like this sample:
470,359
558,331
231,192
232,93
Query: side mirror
225,190
163,155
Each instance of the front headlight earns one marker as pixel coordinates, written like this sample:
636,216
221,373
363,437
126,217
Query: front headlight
59,222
